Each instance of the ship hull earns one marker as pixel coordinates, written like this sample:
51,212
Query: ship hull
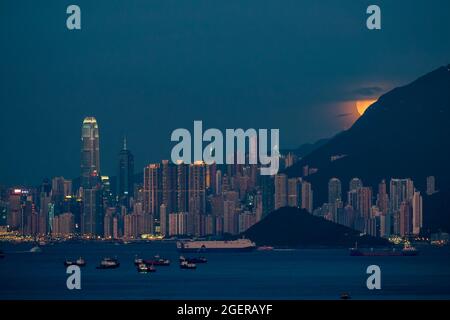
358,253
196,250
242,245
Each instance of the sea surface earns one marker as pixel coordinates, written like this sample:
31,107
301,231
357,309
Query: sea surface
278,274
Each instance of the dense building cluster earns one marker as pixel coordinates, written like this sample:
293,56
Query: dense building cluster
197,199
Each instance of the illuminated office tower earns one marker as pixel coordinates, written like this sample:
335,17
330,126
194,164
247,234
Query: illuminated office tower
280,191
294,189
307,197
355,184
417,213
334,190
67,188
197,188
90,151
107,195
125,176
152,189
14,215
63,225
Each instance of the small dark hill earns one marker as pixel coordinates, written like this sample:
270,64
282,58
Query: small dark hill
292,227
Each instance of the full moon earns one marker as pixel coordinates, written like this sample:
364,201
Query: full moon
362,105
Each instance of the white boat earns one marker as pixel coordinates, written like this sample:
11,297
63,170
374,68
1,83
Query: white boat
203,246
36,249
187,265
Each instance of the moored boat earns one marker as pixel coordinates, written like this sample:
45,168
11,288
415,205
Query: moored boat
265,248
138,261
187,265
158,261
109,263
194,259
407,250
144,268
216,246
36,249
79,262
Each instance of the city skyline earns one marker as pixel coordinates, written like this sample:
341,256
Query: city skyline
300,67
201,199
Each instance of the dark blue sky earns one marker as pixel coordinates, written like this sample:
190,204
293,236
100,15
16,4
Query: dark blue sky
145,68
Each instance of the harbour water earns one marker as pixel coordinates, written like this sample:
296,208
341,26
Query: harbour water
277,274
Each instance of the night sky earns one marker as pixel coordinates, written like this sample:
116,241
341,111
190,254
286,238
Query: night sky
145,68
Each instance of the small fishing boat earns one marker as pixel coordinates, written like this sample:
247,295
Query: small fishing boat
143,268
187,265
265,248
138,261
109,263
158,261
194,259
79,262
35,249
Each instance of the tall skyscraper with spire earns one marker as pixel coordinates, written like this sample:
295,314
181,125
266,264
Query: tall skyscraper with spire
90,151
92,217
125,183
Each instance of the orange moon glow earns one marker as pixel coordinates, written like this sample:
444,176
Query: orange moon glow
362,105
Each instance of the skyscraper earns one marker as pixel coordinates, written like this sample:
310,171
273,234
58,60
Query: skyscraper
355,184
383,198
294,189
197,188
125,182
401,190
417,213
364,202
334,190
152,189
431,185
307,197
280,191
169,185
90,150
182,187
92,222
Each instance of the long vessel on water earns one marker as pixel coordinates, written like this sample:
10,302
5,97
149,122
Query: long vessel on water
207,246
407,250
